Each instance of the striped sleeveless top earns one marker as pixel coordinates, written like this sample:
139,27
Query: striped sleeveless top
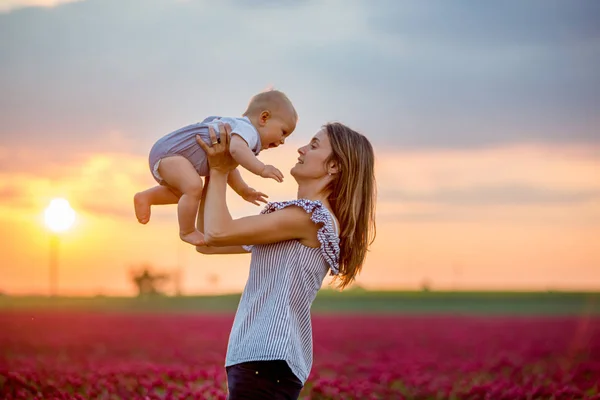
273,321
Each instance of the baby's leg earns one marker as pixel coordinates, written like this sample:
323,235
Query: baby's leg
156,195
180,174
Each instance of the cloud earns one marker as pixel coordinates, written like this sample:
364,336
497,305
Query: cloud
409,74
508,23
12,194
496,195
455,75
103,184
272,4
10,5
517,185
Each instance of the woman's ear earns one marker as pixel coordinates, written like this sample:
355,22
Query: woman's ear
332,168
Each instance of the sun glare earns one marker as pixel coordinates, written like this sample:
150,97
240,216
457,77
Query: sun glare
59,216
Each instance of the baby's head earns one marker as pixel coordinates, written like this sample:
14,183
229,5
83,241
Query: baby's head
273,116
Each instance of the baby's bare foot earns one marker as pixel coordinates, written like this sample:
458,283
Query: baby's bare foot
142,208
194,237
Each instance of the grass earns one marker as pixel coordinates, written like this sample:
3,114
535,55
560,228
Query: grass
350,301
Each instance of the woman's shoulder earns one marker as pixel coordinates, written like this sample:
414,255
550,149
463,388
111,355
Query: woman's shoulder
307,205
327,233
316,208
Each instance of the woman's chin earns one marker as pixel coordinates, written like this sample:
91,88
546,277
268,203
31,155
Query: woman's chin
294,172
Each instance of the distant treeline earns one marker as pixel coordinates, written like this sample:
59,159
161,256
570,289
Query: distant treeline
331,301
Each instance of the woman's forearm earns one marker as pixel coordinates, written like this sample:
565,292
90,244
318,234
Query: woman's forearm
200,226
210,250
200,215
216,213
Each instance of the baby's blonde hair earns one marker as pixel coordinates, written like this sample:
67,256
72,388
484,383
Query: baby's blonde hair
272,100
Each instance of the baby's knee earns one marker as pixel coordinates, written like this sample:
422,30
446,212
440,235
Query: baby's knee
194,189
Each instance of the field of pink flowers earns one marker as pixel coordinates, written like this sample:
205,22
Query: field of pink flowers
77,355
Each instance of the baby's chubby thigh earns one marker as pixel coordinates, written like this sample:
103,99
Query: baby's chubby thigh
179,173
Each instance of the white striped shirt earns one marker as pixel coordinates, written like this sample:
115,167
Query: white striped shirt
272,321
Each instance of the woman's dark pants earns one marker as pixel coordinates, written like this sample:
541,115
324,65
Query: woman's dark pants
262,380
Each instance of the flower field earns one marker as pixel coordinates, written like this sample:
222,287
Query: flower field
81,355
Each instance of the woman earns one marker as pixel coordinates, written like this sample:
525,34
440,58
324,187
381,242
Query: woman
293,244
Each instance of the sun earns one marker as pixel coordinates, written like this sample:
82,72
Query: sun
59,216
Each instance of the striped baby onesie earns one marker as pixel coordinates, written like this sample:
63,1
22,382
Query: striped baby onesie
273,321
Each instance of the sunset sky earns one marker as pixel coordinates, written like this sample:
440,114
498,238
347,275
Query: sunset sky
485,119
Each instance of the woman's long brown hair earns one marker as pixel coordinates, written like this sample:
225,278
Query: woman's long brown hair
353,196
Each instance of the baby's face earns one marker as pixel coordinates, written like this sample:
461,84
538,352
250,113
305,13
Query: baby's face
276,130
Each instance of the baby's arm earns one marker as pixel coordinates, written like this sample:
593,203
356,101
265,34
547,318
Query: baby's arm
236,182
245,157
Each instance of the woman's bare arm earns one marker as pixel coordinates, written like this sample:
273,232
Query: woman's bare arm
222,230
200,226
211,250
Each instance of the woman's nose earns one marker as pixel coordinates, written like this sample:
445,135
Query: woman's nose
301,150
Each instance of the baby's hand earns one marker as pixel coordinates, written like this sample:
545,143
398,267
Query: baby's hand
253,196
270,171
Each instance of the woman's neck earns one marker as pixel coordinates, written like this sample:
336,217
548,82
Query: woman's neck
313,191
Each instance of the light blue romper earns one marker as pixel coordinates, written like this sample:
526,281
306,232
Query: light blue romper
182,142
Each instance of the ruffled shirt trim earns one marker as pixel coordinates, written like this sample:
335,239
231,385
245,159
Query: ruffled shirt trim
330,242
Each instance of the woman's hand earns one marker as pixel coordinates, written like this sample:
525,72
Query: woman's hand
218,154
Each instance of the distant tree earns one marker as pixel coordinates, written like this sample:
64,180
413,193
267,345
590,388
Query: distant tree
147,282
425,285
177,277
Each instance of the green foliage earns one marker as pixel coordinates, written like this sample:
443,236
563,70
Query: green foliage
349,301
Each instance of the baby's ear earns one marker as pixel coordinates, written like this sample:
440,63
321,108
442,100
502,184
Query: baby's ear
265,115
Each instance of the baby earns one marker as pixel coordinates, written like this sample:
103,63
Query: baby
177,162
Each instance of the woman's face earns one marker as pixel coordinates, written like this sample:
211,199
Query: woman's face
311,163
